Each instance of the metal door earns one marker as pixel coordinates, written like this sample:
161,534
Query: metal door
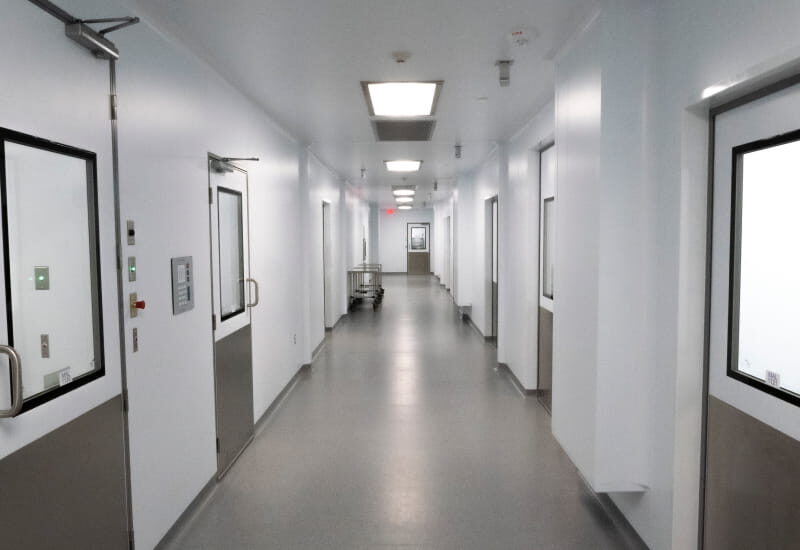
61,434
752,470
234,294
418,247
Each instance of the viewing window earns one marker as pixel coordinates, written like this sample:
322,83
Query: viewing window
231,253
764,322
50,266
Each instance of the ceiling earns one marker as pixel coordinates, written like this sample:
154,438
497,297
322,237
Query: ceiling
304,60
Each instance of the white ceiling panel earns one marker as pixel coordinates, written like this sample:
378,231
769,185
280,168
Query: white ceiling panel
304,61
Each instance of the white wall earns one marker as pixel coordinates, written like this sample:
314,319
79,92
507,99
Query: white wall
174,110
519,235
325,185
76,115
393,235
470,205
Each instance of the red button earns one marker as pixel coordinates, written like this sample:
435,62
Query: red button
139,305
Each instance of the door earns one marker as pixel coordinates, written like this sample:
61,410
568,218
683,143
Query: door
62,461
326,264
752,469
234,294
492,256
418,247
446,271
547,212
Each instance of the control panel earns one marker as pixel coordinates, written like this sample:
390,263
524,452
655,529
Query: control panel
182,285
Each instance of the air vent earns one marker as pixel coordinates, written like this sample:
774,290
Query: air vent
403,130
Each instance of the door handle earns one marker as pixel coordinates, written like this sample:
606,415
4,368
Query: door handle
16,382
257,293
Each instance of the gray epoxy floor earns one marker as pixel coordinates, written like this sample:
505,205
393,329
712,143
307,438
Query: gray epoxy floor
403,435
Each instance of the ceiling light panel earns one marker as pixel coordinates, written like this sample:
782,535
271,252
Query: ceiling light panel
403,165
404,199
401,99
404,192
404,207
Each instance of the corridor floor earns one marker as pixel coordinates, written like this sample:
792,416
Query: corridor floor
403,435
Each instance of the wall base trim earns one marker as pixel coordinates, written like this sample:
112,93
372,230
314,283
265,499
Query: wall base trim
467,319
183,520
205,493
622,524
506,370
304,370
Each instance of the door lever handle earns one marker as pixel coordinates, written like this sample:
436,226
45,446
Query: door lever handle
254,303
16,382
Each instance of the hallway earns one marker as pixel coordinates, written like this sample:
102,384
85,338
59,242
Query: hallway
402,435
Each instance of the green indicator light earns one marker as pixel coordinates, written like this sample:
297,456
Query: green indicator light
41,277
133,268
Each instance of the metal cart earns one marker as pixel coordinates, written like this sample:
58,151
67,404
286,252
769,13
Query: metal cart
365,282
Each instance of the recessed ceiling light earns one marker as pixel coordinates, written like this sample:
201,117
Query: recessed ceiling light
401,99
404,207
404,192
404,199
403,165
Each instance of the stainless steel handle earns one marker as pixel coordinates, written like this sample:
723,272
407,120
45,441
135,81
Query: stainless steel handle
16,382
255,285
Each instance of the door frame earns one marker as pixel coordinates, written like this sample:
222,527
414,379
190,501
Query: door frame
490,265
221,471
713,113
326,260
427,242
544,146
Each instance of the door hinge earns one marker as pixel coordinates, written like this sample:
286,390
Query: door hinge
210,196
130,539
125,406
213,322
113,105
217,445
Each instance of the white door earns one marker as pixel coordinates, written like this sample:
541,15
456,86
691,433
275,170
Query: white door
234,294
753,457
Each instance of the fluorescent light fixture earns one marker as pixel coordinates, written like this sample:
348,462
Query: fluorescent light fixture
404,192
404,199
404,207
401,99
403,165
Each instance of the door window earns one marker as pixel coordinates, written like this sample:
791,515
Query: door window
764,294
51,272
231,253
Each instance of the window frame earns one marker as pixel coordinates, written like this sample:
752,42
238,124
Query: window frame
734,283
11,136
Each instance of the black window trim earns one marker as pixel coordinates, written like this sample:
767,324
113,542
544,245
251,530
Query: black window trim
734,283
227,191
11,136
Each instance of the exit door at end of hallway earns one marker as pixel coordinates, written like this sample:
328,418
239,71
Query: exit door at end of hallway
418,248
234,294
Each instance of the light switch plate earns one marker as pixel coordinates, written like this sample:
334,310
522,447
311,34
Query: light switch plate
131,233
131,268
45,343
132,299
41,277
